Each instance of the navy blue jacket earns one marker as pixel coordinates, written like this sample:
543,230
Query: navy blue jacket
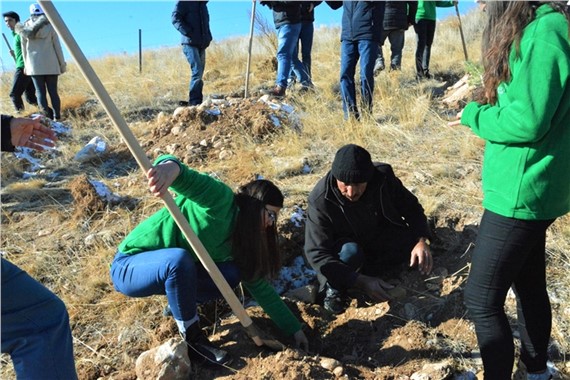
192,20
361,20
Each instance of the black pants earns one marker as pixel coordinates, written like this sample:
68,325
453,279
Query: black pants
22,85
425,31
509,252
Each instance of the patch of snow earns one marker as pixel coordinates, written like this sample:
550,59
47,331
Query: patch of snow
92,149
294,276
104,192
298,217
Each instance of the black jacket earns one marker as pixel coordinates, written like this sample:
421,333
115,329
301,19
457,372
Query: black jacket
306,15
7,134
332,218
400,14
285,12
361,20
192,20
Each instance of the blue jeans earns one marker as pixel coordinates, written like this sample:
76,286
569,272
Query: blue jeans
350,53
425,31
302,70
22,85
509,252
170,271
396,38
287,40
197,59
35,328
45,84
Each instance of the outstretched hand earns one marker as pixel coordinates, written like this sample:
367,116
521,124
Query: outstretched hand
457,120
374,287
161,176
422,257
301,340
31,133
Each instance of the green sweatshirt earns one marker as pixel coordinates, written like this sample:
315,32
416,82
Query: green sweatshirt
426,9
209,207
526,169
18,50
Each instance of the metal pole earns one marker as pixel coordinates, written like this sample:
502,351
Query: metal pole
249,49
143,161
140,51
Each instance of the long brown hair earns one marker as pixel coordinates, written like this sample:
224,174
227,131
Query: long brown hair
255,248
506,23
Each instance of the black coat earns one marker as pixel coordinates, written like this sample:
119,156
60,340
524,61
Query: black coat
192,20
400,14
7,134
285,12
332,218
361,20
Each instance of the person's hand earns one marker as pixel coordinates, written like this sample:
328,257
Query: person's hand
457,120
161,176
301,340
32,133
374,287
421,256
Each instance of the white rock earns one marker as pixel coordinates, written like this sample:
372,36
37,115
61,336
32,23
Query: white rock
94,148
166,362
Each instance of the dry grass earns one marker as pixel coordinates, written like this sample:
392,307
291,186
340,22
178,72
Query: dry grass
407,129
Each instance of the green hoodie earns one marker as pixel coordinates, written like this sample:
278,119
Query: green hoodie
427,11
209,207
526,170
18,50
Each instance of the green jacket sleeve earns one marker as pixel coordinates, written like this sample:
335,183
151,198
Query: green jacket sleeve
527,104
273,305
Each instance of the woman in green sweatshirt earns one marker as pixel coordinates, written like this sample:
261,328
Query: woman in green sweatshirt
238,232
526,177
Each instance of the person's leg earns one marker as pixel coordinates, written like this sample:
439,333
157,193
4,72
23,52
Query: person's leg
207,289
51,84
19,84
430,33
502,249
368,51
533,305
306,38
296,67
348,59
287,39
196,58
421,33
35,328
30,91
380,65
41,94
396,37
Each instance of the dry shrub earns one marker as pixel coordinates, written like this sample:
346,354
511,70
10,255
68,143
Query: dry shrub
86,200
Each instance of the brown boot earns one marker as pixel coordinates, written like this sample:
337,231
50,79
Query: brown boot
276,91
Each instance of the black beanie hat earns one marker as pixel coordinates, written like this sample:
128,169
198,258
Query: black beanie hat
352,164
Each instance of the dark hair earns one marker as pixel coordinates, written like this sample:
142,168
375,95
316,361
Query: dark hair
12,14
506,23
255,249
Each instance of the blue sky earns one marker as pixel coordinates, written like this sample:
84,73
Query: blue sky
112,27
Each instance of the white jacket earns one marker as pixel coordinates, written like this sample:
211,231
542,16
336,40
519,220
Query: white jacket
40,47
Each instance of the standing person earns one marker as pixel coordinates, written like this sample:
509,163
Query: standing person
22,84
360,35
192,20
526,178
398,17
287,19
238,232
425,31
43,59
360,220
306,41
35,324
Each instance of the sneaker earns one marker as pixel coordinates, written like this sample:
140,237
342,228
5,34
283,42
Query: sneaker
276,91
201,350
334,302
183,103
378,66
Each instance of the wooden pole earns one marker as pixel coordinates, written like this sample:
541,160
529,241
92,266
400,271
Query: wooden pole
9,47
136,150
251,27
461,32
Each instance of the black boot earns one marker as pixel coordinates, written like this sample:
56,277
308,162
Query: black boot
334,300
201,350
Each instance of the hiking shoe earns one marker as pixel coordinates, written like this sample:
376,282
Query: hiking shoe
201,350
334,301
183,103
276,91
378,66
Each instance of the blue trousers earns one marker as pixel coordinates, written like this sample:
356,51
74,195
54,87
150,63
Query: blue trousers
173,272
197,59
47,84
396,38
509,252
302,69
35,328
287,40
350,53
